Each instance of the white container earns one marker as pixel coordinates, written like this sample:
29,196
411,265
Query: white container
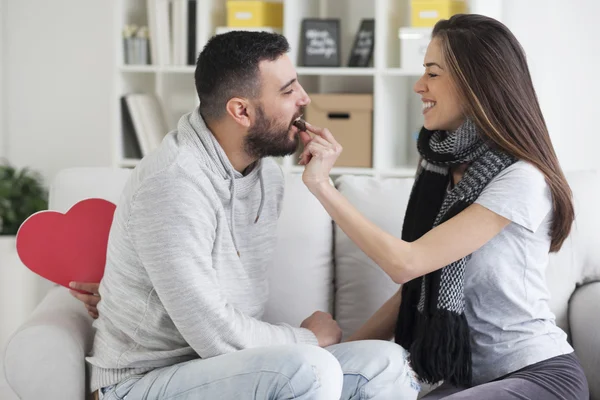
413,46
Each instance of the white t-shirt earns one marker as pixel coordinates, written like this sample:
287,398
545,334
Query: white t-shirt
505,280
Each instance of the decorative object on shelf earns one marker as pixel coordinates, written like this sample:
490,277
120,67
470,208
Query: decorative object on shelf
68,247
320,42
350,118
136,45
21,194
413,46
254,13
425,13
364,42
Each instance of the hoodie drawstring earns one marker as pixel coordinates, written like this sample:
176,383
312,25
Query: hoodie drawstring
233,191
262,196
232,198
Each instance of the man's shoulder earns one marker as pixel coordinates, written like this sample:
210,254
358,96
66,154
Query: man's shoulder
173,179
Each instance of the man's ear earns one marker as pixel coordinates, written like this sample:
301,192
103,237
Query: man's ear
241,111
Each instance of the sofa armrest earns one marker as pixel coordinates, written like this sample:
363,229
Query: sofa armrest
585,332
45,357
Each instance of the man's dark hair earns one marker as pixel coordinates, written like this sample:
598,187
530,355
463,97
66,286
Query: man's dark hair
228,67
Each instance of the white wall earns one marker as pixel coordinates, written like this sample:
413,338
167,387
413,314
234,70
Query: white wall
561,42
2,92
58,60
58,63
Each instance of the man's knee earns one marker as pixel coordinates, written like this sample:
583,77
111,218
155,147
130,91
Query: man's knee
384,365
314,370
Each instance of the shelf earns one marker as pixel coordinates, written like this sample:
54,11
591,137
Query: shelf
399,172
339,170
306,71
335,71
176,69
128,162
400,72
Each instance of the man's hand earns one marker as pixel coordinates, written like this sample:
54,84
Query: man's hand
324,327
91,299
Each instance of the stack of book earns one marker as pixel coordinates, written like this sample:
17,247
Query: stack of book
144,124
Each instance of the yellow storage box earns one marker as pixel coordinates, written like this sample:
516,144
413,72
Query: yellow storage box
425,13
250,13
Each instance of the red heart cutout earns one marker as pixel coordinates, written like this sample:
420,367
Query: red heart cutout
67,247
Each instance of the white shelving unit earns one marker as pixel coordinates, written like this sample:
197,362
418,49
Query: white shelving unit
397,110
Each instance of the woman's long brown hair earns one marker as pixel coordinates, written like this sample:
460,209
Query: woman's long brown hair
490,70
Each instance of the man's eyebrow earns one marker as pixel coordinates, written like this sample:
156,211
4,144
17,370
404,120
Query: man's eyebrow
432,64
288,84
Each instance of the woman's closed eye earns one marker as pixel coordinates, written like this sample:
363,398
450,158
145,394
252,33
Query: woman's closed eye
431,75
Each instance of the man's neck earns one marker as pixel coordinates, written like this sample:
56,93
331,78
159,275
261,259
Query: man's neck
232,143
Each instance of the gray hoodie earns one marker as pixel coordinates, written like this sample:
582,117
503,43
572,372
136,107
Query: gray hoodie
187,260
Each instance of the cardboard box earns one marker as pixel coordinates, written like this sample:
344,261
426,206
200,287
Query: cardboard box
251,13
425,13
349,117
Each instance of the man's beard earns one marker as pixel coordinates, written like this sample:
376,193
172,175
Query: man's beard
267,138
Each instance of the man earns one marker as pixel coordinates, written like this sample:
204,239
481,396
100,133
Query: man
185,280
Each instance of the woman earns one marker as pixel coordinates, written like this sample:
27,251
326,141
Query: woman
489,203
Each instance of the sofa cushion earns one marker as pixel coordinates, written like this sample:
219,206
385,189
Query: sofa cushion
47,354
361,286
578,261
586,193
301,278
585,333
75,184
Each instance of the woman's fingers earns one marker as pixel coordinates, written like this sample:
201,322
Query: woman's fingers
323,133
306,154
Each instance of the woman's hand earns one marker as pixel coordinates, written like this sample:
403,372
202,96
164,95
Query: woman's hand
90,300
319,155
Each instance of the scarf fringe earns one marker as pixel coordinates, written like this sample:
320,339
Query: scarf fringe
441,350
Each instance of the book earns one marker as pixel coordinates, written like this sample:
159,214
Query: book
148,120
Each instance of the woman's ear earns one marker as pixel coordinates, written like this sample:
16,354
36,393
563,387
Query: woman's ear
241,111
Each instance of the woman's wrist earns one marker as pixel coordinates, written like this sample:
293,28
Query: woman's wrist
319,188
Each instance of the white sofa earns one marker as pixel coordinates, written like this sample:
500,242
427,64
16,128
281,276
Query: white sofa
316,268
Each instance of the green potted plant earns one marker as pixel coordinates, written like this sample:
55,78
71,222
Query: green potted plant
22,194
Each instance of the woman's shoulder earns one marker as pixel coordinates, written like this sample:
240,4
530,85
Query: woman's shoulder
519,193
524,172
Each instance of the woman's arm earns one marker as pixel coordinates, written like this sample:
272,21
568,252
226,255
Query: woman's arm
402,261
382,324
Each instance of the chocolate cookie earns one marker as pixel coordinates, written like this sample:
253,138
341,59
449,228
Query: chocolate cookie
300,124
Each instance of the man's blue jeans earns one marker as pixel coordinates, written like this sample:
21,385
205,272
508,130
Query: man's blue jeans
359,370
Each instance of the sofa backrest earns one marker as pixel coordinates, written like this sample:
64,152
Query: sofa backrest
301,279
316,266
361,287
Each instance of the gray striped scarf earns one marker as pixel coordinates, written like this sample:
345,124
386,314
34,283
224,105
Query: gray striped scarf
431,322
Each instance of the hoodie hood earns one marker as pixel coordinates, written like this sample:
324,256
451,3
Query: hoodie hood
193,128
